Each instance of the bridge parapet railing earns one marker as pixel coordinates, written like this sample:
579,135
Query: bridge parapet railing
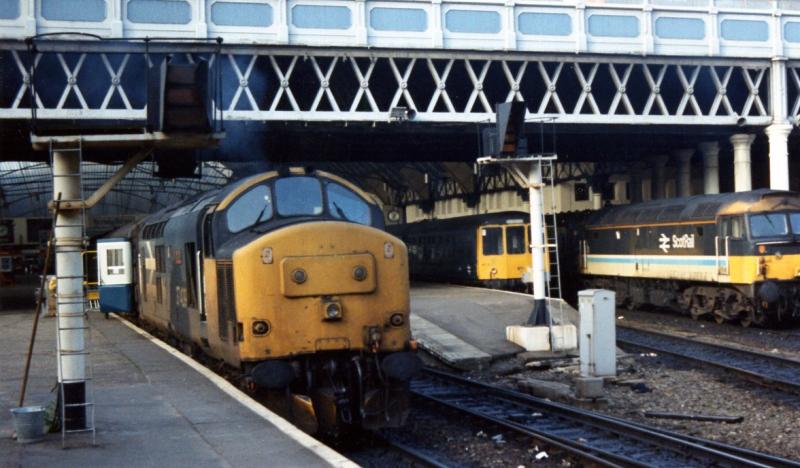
729,28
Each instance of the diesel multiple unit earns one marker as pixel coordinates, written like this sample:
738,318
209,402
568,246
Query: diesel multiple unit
488,249
287,277
733,256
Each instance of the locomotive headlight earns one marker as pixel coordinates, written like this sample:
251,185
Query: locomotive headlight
333,311
260,327
388,250
266,255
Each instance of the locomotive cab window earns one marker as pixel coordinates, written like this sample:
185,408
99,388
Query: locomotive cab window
768,225
733,227
345,204
794,220
254,207
515,240
492,241
298,196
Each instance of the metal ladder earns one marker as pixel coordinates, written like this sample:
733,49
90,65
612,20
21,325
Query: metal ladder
63,319
555,303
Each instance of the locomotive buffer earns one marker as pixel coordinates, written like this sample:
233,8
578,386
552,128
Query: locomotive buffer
505,148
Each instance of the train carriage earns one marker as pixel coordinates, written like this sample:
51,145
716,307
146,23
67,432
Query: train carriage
489,249
732,256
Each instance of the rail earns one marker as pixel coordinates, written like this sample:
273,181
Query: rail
597,438
762,368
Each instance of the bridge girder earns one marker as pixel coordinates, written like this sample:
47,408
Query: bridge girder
102,80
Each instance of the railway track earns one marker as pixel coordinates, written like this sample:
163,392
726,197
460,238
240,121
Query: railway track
762,368
593,437
418,457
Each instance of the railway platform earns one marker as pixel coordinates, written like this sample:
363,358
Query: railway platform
466,326
154,407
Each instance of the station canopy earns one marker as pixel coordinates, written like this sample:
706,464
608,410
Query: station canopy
27,186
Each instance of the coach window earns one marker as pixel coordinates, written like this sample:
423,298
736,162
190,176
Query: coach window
493,241
253,207
515,240
114,262
298,196
346,204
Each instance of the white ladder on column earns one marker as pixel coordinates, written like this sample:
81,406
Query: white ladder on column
72,319
555,304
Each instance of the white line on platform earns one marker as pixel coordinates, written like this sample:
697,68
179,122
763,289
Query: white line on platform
327,454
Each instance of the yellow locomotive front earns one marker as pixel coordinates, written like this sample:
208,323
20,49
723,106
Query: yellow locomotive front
313,297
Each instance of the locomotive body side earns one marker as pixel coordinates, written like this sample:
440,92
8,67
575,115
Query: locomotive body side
732,256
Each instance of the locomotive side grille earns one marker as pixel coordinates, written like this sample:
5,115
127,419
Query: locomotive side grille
706,210
225,297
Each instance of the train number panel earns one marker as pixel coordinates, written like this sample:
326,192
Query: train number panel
735,256
290,279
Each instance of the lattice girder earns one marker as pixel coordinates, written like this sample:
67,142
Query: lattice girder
284,84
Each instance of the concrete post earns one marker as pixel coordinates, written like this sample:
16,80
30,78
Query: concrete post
539,315
778,135
597,200
684,180
69,274
743,180
710,152
659,177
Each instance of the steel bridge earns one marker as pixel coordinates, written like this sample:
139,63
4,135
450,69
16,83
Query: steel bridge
385,76
102,80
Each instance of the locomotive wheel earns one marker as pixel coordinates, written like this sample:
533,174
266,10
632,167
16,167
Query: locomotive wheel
695,308
719,318
748,318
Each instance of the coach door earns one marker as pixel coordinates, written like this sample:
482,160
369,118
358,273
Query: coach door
203,250
731,230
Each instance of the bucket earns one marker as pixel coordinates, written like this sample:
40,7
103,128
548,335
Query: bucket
28,423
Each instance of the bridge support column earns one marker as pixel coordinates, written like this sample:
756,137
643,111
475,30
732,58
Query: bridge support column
597,200
539,315
69,276
659,177
710,152
742,178
778,135
684,157
635,182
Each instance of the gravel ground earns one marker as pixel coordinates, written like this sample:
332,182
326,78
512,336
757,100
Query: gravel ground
784,341
456,440
771,418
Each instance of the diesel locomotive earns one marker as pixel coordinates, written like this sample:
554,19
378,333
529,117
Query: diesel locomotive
287,277
732,256
487,249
